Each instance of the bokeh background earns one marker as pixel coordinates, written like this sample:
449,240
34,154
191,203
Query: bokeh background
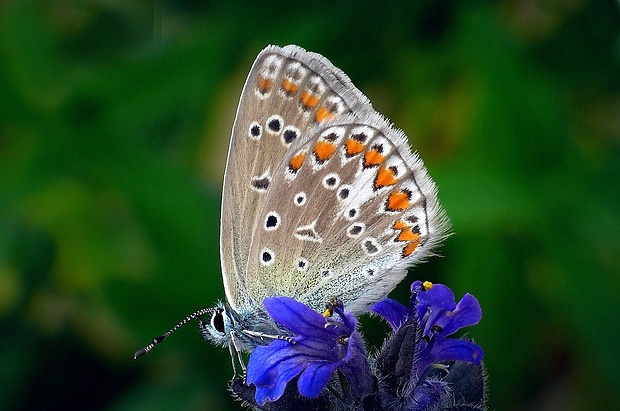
115,119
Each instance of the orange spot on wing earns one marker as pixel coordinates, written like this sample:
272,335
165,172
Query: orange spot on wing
309,100
324,150
397,201
264,84
385,177
407,234
373,157
296,162
399,225
353,146
289,87
410,248
323,114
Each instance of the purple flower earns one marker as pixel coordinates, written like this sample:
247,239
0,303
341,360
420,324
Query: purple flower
321,346
420,368
439,316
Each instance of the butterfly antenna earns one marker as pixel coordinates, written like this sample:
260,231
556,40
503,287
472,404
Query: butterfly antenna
161,338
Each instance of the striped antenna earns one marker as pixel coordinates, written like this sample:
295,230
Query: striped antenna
161,338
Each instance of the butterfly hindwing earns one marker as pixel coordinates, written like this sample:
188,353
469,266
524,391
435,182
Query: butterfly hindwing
348,210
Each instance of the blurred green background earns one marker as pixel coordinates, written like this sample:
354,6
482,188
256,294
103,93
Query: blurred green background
115,119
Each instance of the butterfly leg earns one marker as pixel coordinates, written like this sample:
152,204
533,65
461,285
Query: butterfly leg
235,346
232,360
262,336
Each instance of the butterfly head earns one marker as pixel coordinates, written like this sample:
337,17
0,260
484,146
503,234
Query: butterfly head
220,326
240,330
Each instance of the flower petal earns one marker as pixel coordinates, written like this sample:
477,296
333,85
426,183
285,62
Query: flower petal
314,378
466,313
459,350
439,297
392,311
264,360
271,392
295,316
321,346
347,320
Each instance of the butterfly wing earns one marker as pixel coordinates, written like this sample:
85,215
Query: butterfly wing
348,212
282,99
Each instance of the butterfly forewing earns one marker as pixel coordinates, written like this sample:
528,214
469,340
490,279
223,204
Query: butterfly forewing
348,219
283,98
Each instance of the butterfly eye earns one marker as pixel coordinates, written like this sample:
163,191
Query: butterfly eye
217,321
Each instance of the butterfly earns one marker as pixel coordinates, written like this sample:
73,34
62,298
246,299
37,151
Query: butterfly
322,198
